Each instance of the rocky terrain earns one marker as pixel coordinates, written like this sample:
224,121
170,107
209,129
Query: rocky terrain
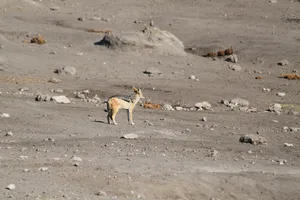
220,119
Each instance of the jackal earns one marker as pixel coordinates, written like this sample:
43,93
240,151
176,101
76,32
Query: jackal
128,102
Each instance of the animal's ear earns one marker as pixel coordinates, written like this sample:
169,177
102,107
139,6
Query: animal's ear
134,89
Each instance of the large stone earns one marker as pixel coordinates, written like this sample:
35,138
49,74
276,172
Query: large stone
61,99
203,105
253,139
150,40
240,102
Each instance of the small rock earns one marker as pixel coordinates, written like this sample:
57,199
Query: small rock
76,158
232,58
192,77
280,94
61,99
235,67
80,96
273,1
213,153
9,134
253,139
204,119
66,70
275,121
294,129
43,169
283,62
57,90
130,136
25,170
105,19
288,145
203,105
55,8
80,19
5,115
239,102
53,52
76,164
100,193
266,89
54,80
277,108
178,108
41,97
23,89
11,187
152,71
167,107
23,157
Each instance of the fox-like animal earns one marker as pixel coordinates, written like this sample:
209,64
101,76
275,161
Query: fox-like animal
128,102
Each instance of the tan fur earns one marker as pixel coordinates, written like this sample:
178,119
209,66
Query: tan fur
114,104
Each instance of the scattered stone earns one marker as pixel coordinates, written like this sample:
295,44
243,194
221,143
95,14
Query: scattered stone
204,119
203,105
294,129
100,193
9,134
258,77
266,89
23,89
130,136
235,67
192,77
281,161
105,19
25,170
232,58
55,8
277,108
288,145
253,139
283,62
213,153
49,139
80,96
178,108
54,80
23,157
76,164
167,107
5,115
81,19
280,94
152,71
57,90
11,187
275,121
76,158
61,99
43,169
239,102
38,40
273,1
53,52
41,97
66,70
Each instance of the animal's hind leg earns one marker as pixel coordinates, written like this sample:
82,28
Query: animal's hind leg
108,116
113,116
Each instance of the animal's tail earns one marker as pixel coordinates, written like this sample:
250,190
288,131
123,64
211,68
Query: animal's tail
105,102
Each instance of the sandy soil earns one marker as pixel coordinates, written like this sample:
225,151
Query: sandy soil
171,158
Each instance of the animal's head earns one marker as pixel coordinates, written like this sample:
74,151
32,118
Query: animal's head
138,92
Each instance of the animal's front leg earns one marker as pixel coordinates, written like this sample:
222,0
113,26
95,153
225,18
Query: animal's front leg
130,117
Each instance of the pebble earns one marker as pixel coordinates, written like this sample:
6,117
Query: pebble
100,193
192,77
179,108
266,89
280,94
55,8
253,139
66,70
54,80
52,52
76,158
283,62
203,105
235,67
81,19
294,129
152,71
239,102
11,187
273,1
204,119
232,58
61,99
57,90
43,169
130,136
23,89
25,170
167,107
9,134
288,145
5,115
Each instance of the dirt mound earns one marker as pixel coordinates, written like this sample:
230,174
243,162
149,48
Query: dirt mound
150,39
